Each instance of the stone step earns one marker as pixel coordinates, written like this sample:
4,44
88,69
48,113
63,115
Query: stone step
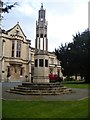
28,83
41,85
20,86
40,89
45,93
23,90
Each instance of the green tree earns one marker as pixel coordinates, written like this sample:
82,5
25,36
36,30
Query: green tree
75,56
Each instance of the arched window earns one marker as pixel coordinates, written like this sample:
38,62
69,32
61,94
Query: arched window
46,63
18,50
41,62
36,63
13,47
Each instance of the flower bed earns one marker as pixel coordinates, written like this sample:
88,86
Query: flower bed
55,78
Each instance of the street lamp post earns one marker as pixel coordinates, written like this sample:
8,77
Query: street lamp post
0,57
1,5
0,60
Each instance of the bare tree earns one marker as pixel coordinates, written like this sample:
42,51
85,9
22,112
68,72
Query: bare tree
8,7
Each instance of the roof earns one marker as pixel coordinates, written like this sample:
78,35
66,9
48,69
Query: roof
14,27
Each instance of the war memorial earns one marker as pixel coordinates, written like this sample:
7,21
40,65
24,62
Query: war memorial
41,84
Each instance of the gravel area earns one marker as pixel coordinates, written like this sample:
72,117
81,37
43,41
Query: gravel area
78,94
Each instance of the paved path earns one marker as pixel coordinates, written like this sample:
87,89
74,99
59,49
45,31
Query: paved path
78,94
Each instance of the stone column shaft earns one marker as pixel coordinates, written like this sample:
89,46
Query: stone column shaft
43,44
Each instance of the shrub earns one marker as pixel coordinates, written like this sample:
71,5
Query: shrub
55,78
69,79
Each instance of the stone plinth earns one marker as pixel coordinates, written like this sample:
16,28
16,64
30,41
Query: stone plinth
41,69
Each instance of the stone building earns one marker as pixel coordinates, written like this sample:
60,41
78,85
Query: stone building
16,54
20,61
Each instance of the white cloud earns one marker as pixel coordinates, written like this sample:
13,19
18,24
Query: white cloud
26,9
64,19
61,28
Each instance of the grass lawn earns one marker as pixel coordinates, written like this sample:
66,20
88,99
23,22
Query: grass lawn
45,109
72,85
0,108
85,86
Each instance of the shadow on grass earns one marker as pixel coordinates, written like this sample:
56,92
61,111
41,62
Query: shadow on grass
46,119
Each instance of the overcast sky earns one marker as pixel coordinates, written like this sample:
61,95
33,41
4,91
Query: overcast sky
65,18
